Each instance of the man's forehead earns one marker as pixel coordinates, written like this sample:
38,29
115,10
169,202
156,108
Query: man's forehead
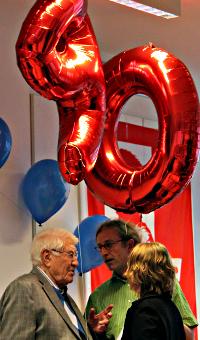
108,234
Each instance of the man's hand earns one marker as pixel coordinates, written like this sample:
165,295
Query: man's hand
99,322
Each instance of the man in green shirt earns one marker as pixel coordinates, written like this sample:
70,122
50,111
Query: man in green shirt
115,239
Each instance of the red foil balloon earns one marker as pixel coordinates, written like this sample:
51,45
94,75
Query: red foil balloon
58,56
165,79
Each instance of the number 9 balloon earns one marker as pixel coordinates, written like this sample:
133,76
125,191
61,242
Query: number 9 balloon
58,56
165,79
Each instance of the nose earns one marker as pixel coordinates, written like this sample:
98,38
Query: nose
75,261
104,251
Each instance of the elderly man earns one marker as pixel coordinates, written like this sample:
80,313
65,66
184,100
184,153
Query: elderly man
37,305
115,240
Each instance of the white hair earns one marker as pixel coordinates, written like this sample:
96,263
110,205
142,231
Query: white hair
50,238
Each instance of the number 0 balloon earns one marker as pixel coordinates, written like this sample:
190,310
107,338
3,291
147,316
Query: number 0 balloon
165,79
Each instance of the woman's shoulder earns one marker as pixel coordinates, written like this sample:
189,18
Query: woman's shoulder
152,301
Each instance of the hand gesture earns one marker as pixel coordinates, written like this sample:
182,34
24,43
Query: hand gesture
99,322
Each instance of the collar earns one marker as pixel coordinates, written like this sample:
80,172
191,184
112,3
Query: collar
116,277
165,295
48,278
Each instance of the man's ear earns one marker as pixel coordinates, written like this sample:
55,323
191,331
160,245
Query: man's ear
45,257
131,244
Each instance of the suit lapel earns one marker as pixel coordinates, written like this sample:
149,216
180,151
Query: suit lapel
46,286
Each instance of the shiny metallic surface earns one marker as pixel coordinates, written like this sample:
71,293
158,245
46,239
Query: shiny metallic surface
58,56
166,80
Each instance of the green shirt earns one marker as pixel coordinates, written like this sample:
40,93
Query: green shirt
116,291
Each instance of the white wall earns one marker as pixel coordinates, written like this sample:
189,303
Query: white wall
16,221
15,226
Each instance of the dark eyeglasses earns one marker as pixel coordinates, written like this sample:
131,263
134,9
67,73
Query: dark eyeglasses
70,254
107,245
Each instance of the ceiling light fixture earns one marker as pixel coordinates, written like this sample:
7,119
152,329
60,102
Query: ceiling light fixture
165,8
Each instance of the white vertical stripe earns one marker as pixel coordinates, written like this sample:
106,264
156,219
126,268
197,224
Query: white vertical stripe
150,222
85,279
87,287
110,213
82,201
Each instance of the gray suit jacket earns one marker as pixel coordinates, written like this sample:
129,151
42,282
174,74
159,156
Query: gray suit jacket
30,309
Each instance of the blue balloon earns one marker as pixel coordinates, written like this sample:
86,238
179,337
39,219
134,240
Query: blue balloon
44,190
88,256
5,142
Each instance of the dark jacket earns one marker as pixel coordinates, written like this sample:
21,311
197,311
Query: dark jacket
153,317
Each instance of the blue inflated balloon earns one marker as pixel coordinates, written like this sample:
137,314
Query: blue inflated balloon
44,190
88,256
5,142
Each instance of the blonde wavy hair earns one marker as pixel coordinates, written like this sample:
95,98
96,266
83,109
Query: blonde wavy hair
150,269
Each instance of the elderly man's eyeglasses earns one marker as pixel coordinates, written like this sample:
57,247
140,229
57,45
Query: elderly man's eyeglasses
107,245
70,254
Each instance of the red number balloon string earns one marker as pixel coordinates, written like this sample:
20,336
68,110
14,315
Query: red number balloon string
58,56
165,79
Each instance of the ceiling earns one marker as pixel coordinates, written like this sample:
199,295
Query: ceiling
119,28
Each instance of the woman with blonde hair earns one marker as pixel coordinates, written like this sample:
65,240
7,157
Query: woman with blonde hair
153,316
